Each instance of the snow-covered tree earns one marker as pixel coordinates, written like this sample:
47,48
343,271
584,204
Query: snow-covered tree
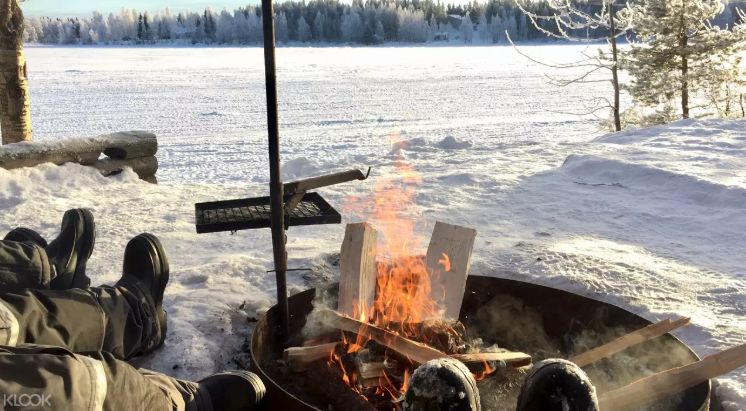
467,28
678,51
484,30
412,26
281,28
352,25
303,32
225,31
318,26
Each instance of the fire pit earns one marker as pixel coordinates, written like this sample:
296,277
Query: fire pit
567,321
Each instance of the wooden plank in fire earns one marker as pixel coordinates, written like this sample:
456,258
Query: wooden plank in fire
660,385
628,340
300,358
511,359
448,260
357,266
416,352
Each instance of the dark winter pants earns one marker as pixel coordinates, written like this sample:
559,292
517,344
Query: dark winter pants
111,319
102,323
50,378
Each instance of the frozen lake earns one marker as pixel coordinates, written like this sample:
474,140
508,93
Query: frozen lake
207,106
651,220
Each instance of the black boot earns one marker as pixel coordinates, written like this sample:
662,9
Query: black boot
146,271
26,235
557,385
70,251
232,390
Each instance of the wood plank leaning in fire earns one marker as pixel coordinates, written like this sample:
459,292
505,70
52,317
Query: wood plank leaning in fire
660,385
448,260
357,269
628,340
415,351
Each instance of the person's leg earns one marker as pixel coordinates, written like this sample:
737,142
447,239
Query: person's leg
35,377
126,320
54,378
28,262
22,266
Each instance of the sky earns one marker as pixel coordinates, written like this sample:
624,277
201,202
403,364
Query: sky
57,8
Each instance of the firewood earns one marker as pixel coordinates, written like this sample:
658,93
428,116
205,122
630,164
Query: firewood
628,340
663,384
448,260
357,270
300,358
414,351
340,396
476,361
369,373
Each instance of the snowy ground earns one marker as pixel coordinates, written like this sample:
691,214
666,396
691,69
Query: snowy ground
651,220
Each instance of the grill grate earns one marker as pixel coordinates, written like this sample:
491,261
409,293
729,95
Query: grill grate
252,213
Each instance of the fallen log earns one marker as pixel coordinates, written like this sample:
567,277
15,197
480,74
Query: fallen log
144,167
660,385
300,358
628,340
127,145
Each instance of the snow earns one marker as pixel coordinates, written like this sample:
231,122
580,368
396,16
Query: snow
651,220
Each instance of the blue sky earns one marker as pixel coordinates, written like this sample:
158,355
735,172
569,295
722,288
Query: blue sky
56,8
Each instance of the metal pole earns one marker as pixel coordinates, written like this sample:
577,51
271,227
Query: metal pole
275,183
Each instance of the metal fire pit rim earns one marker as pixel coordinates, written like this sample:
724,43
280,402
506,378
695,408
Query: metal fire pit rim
273,386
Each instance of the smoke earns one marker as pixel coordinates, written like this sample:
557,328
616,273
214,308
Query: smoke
507,322
319,323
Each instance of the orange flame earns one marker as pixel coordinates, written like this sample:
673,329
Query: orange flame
404,292
486,371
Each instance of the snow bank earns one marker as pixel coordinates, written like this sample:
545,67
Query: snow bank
420,144
301,167
597,171
450,143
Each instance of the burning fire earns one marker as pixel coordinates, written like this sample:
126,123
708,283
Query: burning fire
404,295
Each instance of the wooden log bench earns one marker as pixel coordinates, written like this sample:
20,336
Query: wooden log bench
109,153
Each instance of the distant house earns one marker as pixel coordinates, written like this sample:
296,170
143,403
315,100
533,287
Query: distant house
440,36
455,20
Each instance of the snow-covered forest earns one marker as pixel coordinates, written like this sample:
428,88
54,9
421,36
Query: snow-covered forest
372,22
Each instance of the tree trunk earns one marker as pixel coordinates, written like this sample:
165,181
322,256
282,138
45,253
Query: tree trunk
684,66
15,113
614,69
684,86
